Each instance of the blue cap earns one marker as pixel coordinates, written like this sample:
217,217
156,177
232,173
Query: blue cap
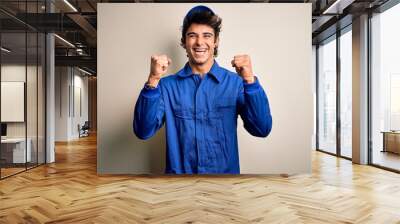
196,9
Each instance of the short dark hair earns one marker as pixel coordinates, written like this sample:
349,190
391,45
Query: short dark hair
206,17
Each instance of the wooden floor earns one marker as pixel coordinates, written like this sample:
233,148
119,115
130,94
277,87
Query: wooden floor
70,191
387,159
5,172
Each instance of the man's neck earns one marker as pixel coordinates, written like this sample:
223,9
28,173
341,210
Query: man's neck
201,69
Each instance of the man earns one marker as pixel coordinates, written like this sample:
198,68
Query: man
201,102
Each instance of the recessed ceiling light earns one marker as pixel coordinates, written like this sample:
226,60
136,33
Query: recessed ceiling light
64,40
5,50
70,5
337,7
84,71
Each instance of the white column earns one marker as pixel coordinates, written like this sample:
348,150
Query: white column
50,100
50,92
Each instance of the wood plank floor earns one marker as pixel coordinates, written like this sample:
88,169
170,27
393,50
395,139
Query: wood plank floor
70,191
387,159
10,171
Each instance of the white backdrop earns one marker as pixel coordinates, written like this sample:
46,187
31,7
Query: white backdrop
276,36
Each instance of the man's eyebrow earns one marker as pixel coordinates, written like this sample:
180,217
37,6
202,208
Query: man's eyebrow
208,33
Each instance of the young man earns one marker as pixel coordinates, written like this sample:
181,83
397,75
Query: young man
200,104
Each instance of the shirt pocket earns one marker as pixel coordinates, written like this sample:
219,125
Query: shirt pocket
226,107
224,102
186,114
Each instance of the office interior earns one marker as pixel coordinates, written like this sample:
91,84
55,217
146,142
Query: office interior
49,86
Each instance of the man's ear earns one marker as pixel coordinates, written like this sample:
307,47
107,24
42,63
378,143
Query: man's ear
182,43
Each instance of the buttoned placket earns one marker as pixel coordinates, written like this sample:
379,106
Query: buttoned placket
198,120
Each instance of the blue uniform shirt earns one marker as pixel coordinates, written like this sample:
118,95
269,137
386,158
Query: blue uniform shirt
200,116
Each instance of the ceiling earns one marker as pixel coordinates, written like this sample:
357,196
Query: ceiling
76,22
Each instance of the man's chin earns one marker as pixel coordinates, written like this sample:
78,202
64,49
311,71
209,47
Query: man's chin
199,61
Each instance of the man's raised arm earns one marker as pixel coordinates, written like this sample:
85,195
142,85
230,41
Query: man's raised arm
253,105
149,108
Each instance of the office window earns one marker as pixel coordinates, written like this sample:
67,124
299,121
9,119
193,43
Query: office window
385,88
346,93
13,149
22,92
327,96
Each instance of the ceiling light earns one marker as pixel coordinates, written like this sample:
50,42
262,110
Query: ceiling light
331,7
84,71
5,50
338,6
64,40
70,5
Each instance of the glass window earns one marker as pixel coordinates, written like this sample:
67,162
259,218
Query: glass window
22,91
346,94
327,96
14,153
385,87
31,101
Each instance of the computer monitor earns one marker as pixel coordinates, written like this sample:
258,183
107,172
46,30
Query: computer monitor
3,129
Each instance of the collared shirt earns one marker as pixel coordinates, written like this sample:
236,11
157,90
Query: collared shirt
200,116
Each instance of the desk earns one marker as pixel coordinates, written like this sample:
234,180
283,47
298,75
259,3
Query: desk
16,147
391,141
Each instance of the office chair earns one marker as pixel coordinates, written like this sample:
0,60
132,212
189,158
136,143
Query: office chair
84,130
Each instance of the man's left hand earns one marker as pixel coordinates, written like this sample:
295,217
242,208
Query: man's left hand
242,64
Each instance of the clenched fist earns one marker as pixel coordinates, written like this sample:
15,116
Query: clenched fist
158,67
242,65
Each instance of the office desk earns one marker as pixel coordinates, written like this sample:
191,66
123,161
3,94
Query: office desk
391,141
15,148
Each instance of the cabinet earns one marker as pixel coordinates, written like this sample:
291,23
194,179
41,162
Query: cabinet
391,142
13,150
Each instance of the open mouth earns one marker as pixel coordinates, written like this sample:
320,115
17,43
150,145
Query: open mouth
200,51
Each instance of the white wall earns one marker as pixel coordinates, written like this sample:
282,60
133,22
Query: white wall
278,38
61,103
79,117
12,73
67,85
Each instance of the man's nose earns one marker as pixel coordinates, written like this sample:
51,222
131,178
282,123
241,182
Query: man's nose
199,40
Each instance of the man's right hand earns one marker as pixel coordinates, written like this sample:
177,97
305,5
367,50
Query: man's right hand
158,67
